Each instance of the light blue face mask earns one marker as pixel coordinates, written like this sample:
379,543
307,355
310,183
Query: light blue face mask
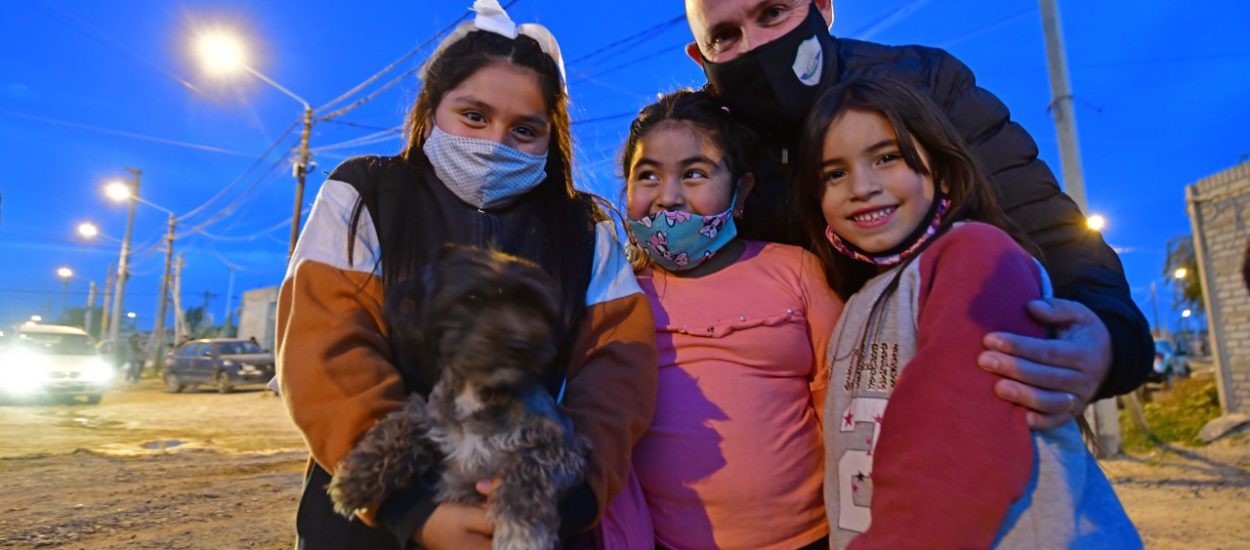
483,173
679,240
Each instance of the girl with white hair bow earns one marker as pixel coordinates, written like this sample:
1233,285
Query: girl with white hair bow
487,163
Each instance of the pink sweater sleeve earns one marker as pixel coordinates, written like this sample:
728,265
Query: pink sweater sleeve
953,457
823,309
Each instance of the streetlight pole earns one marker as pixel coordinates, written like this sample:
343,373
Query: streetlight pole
124,259
160,312
223,53
104,309
301,171
86,316
65,274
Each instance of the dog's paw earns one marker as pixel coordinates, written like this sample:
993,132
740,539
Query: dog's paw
389,456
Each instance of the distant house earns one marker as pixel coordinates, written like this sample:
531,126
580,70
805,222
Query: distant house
258,316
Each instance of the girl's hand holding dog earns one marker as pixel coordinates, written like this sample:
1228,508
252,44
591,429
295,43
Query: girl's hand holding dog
456,526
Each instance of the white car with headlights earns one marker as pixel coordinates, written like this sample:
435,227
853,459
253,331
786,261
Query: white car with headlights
52,361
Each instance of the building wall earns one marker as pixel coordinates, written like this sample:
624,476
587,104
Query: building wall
257,316
1219,210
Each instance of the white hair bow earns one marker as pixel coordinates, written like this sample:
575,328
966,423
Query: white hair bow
491,17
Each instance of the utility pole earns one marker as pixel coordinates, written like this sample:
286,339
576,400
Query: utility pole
301,172
86,315
180,322
1102,415
158,335
123,268
104,311
229,295
1062,107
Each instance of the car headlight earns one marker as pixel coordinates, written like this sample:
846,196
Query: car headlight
98,371
23,372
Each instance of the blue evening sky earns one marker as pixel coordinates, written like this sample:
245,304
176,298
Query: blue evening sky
88,88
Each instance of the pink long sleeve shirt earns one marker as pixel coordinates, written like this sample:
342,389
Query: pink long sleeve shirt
733,457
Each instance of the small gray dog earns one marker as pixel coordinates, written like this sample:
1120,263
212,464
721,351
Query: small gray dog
488,323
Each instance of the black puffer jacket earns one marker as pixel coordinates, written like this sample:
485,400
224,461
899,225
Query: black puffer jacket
1082,267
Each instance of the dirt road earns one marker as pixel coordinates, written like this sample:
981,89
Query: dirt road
146,469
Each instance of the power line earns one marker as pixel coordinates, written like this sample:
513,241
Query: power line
240,177
638,36
132,135
587,75
355,125
378,75
108,40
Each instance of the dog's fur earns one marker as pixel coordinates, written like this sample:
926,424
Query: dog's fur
489,322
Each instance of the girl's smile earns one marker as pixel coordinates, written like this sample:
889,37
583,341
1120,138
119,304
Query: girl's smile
872,198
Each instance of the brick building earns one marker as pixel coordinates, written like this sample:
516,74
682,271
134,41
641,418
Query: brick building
1219,211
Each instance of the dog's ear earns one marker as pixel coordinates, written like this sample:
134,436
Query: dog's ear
407,314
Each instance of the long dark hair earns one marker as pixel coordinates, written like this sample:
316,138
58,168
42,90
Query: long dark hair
567,216
919,124
705,113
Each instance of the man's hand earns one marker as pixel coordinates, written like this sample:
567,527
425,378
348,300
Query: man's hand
455,526
1054,379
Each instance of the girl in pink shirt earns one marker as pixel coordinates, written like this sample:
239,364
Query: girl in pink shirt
733,457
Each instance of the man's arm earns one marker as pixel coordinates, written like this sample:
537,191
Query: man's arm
1082,267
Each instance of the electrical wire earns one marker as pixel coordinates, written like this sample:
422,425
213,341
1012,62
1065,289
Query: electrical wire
122,133
378,75
239,178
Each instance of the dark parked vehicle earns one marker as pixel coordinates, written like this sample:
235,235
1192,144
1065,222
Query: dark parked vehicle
1169,364
224,363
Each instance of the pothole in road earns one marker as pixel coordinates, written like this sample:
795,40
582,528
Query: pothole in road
161,445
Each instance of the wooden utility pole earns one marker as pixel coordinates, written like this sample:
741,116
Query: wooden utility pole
180,321
123,268
1102,415
158,332
86,315
104,312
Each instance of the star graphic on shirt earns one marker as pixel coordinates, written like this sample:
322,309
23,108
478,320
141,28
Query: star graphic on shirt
848,418
860,477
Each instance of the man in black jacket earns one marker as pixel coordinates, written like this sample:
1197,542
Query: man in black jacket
771,59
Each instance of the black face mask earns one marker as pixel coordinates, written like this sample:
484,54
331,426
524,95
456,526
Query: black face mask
773,87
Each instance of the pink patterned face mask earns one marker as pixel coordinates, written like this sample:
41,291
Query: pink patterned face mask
679,240
904,250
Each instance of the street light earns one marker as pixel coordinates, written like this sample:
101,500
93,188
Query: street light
65,275
1096,222
1186,313
1180,273
119,191
222,53
158,333
88,230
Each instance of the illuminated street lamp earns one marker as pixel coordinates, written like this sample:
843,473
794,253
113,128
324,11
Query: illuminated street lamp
131,315
88,230
65,275
221,54
1186,313
1180,273
119,192
1096,222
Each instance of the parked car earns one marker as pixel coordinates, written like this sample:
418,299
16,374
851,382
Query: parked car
224,363
1170,363
52,361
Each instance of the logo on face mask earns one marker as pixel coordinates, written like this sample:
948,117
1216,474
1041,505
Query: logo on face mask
809,62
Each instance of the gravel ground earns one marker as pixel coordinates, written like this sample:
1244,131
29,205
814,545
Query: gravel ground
146,469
